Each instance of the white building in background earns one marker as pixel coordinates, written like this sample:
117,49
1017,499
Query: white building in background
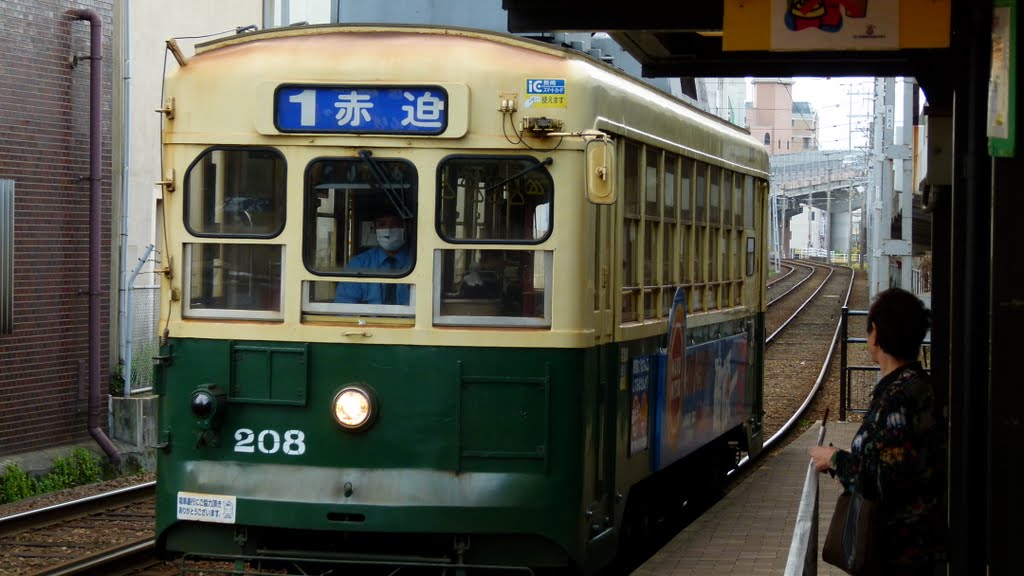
807,230
726,98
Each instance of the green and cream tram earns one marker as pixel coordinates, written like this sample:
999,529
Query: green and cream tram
444,297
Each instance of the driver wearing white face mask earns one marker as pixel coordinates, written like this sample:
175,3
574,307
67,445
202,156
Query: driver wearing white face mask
389,256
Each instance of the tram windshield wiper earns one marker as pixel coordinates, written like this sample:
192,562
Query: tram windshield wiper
545,162
393,195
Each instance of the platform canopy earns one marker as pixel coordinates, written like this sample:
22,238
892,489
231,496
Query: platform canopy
722,38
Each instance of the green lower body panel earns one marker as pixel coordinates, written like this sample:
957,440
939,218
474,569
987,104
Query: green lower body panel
473,454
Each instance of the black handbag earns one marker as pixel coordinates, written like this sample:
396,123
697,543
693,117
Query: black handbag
854,537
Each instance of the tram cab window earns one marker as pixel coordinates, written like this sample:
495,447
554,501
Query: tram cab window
360,225
236,192
233,281
494,198
492,287
231,193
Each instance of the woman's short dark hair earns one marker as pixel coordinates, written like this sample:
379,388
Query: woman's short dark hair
902,322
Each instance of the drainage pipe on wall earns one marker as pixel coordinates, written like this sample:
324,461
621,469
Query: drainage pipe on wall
95,179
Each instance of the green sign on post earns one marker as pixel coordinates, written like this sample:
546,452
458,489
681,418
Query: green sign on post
1002,84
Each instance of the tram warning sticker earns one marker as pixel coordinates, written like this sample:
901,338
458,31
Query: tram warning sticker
206,507
545,93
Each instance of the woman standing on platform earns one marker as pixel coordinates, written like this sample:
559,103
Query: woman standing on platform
901,444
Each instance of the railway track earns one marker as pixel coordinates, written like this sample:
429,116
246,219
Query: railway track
802,327
109,534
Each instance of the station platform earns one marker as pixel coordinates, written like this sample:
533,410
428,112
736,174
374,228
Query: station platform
748,531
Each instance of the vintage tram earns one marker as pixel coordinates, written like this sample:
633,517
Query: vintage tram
444,297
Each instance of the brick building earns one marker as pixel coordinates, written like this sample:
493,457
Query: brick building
44,209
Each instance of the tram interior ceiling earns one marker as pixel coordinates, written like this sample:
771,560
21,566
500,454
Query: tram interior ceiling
973,208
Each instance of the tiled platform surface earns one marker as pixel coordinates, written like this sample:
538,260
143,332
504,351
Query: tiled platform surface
748,532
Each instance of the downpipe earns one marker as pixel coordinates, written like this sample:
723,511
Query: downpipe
95,177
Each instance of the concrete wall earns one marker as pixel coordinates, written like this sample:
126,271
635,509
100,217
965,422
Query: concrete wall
151,24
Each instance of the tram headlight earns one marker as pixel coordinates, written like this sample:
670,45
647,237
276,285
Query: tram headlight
354,407
207,405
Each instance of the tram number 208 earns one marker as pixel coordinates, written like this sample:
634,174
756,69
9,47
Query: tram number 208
292,442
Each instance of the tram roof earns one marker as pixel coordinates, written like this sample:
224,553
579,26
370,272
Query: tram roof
509,39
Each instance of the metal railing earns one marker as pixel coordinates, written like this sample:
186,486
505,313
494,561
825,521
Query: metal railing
856,383
144,312
803,548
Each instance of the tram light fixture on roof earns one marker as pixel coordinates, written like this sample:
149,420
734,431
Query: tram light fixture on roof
542,124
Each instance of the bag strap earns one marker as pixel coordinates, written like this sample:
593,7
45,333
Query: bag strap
859,479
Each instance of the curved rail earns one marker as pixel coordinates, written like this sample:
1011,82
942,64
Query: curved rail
795,286
781,432
771,337
787,427
789,270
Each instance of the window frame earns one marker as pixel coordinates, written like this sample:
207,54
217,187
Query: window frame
449,320
186,184
437,201
231,313
306,223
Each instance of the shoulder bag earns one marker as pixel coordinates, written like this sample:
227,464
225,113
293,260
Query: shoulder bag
854,537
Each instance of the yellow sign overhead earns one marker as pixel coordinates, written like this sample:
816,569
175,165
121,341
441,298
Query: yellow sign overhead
822,25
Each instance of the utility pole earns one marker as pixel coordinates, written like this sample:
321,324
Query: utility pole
906,153
850,93
878,274
849,240
776,245
827,235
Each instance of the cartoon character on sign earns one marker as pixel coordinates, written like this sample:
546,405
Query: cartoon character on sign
825,15
674,377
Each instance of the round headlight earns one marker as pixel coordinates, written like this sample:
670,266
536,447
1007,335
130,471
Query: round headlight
353,408
203,404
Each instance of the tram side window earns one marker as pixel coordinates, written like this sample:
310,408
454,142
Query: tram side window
686,190
652,229
686,218
236,192
714,198
700,194
494,198
748,202
360,225
727,197
632,177
738,199
670,243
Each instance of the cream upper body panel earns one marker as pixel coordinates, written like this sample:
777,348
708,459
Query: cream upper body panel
224,96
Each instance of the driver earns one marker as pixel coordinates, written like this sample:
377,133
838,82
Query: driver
389,256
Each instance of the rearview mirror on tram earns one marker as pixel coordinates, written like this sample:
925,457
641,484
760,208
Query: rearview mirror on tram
600,173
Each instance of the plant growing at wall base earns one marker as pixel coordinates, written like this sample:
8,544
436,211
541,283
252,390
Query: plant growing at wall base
16,484
78,468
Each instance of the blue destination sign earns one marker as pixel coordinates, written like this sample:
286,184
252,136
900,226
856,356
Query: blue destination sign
361,109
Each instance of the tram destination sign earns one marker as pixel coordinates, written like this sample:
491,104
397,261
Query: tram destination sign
418,110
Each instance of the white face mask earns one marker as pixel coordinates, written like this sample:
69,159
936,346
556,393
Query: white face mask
390,239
